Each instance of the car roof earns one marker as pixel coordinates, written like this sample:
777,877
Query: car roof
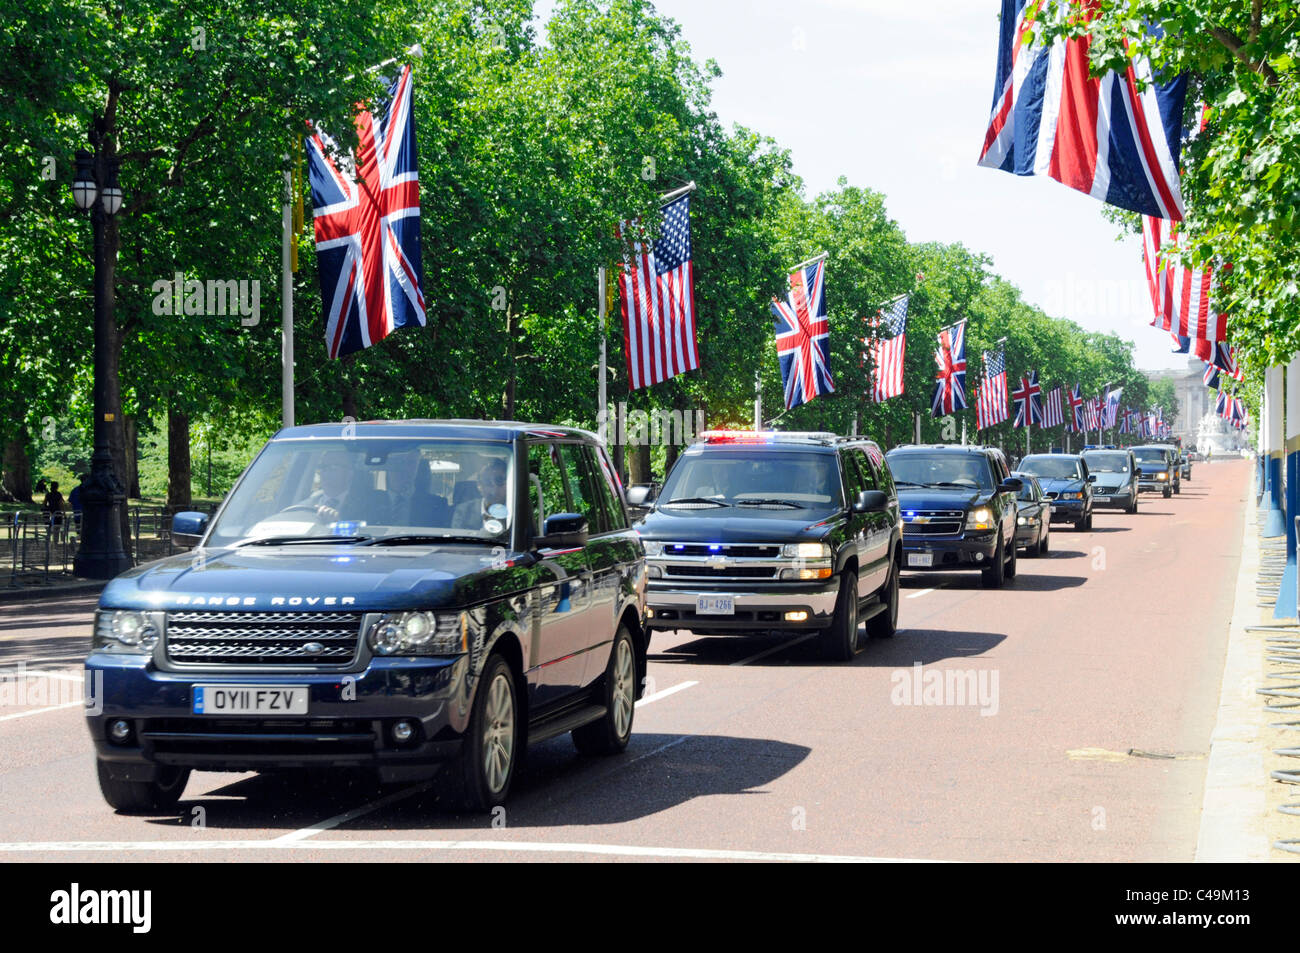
971,448
495,430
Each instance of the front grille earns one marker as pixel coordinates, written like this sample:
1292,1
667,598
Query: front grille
933,522
750,550
262,638
725,572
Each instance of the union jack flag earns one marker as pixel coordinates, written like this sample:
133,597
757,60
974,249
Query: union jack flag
1126,422
657,298
1075,400
803,336
1052,413
1223,406
1211,377
1180,296
367,223
1225,358
950,383
887,354
1103,136
1029,402
991,401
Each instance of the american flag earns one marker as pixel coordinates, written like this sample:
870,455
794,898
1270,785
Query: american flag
991,401
1103,135
1075,400
1092,414
368,235
1052,412
1112,407
803,336
950,383
1029,402
887,354
657,295
1179,295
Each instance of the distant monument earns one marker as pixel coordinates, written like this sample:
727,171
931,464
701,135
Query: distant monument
1197,423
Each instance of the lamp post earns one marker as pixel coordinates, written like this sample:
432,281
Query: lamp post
100,554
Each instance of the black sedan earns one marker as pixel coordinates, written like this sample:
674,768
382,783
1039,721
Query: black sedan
1033,516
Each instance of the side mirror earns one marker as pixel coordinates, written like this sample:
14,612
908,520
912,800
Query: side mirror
642,494
188,528
1092,478
1011,485
871,501
563,531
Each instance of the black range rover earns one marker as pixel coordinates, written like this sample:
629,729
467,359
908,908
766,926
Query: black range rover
959,509
761,530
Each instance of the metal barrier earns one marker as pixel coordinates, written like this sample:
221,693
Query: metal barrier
38,548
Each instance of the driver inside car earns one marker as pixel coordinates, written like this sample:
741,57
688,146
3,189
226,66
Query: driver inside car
336,474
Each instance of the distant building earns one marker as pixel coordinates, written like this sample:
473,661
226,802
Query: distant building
1196,423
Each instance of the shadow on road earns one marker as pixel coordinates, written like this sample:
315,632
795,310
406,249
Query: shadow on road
559,788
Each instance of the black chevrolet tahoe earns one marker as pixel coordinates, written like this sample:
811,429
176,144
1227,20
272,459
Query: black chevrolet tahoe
756,531
959,509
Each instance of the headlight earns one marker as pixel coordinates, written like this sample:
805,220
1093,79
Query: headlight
806,551
125,632
420,633
1021,521
981,518
652,547
1162,475
1071,496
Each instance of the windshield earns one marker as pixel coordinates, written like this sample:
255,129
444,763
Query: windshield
1107,462
1027,492
953,470
778,478
1149,455
368,490
1052,468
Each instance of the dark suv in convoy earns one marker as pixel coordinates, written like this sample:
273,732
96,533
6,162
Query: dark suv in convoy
1158,469
1067,483
416,598
959,509
764,530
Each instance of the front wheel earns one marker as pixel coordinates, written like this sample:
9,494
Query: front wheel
1043,543
840,641
1011,563
479,779
611,733
995,575
143,797
883,625
1167,493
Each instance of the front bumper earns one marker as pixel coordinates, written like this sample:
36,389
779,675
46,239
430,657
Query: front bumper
347,725
1068,511
1154,486
966,552
1027,535
1120,499
673,606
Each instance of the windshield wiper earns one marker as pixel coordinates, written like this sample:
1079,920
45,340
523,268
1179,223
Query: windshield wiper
291,540
797,506
695,499
907,483
417,539
960,486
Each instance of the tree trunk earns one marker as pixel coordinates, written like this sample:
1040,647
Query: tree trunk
178,459
16,471
638,462
132,432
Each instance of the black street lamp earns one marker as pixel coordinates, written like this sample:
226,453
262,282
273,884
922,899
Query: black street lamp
100,554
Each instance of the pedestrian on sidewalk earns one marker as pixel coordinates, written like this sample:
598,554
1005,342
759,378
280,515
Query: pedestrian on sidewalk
53,504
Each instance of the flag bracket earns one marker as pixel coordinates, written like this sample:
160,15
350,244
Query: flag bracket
805,264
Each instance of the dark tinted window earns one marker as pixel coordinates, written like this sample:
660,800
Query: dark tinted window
605,515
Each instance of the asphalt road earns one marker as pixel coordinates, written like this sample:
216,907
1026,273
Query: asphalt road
1066,717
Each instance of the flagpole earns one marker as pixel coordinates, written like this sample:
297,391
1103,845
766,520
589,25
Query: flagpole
758,399
805,264
602,400
676,193
286,303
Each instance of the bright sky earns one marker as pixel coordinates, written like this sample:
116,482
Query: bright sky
895,95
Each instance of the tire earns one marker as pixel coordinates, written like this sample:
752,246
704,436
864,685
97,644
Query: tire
839,642
1080,525
477,781
617,689
995,575
1178,488
143,797
1167,493
1044,542
1010,572
885,624
1087,523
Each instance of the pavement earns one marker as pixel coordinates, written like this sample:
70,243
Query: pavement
1092,710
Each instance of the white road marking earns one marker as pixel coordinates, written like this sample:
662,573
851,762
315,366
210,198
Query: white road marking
331,822
534,847
41,711
776,648
654,697
923,592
